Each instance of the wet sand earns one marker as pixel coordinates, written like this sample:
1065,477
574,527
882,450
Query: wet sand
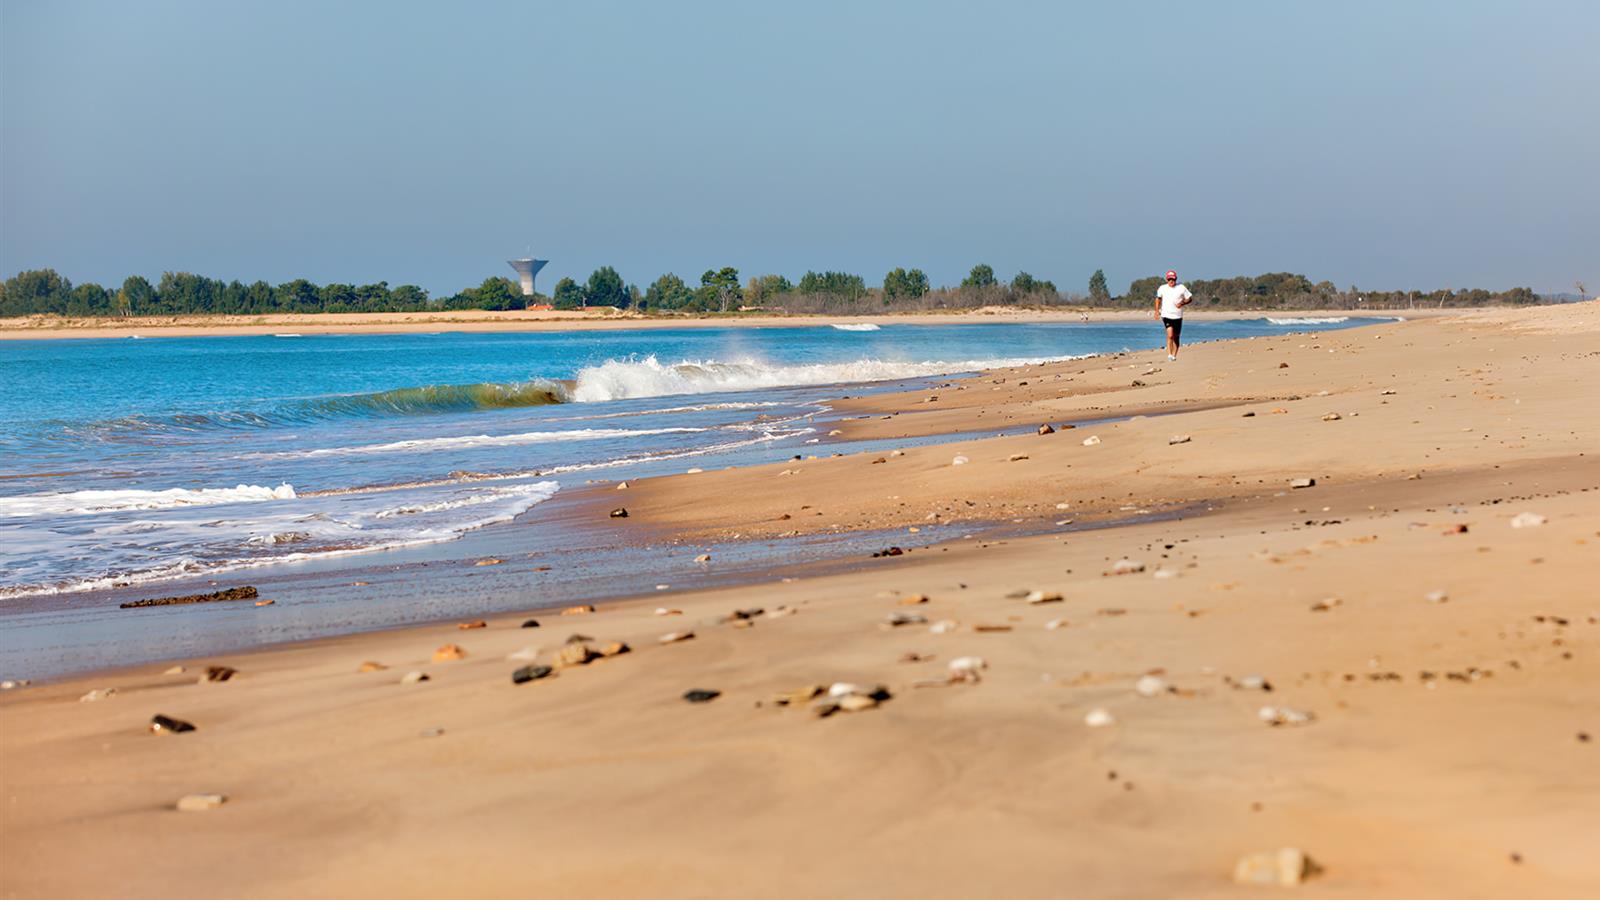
1446,659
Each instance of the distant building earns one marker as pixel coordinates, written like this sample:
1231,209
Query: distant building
526,270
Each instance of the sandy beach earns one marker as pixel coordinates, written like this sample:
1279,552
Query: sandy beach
1329,592
44,327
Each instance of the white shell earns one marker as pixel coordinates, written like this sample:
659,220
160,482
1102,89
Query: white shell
1099,718
1528,520
1150,686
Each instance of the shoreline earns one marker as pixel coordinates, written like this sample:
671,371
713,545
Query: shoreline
1441,651
300,324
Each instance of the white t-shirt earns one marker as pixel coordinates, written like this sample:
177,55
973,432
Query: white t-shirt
1170,294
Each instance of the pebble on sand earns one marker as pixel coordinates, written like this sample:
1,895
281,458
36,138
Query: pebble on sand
175,670
1046,429
673,637
620,512
11,684
579,610
266,602
1017,457
701,695
576,655
468,626
1284,715
943,626
1126,566
615,648
200,802
1528,520
1287,867
967,669
531,623
217,673
448,653
1151,686
98,694
1099,718
1035,598
913,599
1091,440
414,677
491,561
1438,596
703,558
664,611
1332,417
160,724
897,619
959,461
1303,482
1179,439
531,673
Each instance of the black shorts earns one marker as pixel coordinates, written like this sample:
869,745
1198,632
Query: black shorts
1175,324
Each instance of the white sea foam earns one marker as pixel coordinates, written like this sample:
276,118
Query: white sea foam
855,326
91,502
323,526
1308,320
649,377
470,441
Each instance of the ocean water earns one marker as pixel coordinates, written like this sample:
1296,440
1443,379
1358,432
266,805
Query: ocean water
159,463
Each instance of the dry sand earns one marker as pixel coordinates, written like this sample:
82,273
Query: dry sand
44,327
1453,750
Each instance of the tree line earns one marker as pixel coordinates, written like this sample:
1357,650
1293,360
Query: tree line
44,291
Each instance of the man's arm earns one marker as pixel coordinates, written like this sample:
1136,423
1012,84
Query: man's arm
1188,297
1156,313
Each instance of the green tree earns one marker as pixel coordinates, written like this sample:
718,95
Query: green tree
605,288
568,294
1098,292
982,276
136,296
1024,283
763,288
719,289
836,284
668,292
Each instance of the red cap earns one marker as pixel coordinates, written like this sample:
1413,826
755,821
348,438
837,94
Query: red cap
1171,274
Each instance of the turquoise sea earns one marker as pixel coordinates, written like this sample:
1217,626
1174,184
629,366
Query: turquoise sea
145,465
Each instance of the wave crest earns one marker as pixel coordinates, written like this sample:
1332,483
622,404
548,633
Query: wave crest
1308,320
92,502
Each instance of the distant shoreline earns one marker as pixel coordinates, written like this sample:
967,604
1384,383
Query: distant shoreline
53,327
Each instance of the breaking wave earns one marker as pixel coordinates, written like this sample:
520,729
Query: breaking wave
471,441
93,502
1308,320
854,326
649,377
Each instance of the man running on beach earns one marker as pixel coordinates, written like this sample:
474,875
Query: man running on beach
1171,298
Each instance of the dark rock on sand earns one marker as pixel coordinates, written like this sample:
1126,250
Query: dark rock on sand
531,673
531,623
620,512
160,724
701,695
218,673
238,593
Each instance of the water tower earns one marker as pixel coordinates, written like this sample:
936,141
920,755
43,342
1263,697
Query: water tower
526,270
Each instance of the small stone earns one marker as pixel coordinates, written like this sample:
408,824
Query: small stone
11,684
531,673
1126,567
265,602
414,677
370,666
526,654
1055,624
1035,598
530,623
703,558
489,562
1150,686
576,655
701,695
175,670
1528,520
1252,683
620,512
1283,365
1046,429
581,609
1284,715
673,637
615,648
799,696
576,638
1091,440
1332,417
896,620
160,724
943,626
695,471
967,669
857,702
622,485
913,599
1287,867
217,673
986,627
1017,457
1248,415
959,461
98,694
664,611
431,732
1326,604
1303,483
1437,597
448,653
200,802
468,626
1099,718
1178,439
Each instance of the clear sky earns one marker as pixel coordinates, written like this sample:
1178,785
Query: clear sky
1384,144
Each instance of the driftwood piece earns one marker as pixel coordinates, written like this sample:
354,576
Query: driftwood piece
238,593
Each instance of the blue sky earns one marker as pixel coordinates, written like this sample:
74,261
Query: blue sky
1387,145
